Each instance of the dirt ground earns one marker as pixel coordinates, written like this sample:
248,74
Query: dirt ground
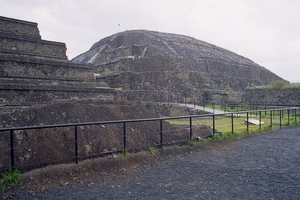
103,168
257,167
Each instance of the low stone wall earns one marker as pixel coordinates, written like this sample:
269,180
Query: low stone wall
152,96
273,96
29,46
18,95
10,66
205,96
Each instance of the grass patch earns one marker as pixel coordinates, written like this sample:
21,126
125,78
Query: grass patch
279,84
241,134
152,151
191,143
204,141
126,153
227,108
10,178
216,138
224,123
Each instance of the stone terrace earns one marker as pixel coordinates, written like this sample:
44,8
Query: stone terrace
33,70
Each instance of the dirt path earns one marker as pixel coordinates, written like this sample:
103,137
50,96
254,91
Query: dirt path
258,167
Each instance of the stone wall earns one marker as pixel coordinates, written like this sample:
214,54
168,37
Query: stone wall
35,71
30,46
19,95
22,37
23,67
149,95
19,27
273,96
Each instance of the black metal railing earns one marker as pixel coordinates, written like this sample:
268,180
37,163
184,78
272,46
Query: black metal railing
162,132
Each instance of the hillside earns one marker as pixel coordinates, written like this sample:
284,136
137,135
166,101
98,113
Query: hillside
176,65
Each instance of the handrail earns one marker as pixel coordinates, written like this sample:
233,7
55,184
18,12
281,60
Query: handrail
136,120
11,130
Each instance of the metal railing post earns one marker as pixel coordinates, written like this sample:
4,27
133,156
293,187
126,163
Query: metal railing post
280,118
265,111
288,117
76,145
191,131
271,121
214,125
256,111
194,103
124,136
232,123
161,132
247,122
259,120
12,150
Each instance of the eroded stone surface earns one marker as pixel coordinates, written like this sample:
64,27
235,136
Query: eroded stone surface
163,67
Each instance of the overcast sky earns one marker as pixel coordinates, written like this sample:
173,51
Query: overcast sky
265,31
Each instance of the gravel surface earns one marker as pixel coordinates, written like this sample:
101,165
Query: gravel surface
258,167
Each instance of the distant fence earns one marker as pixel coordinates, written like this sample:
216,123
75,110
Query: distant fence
241,106
65,140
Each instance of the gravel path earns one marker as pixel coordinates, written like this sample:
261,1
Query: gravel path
258,167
